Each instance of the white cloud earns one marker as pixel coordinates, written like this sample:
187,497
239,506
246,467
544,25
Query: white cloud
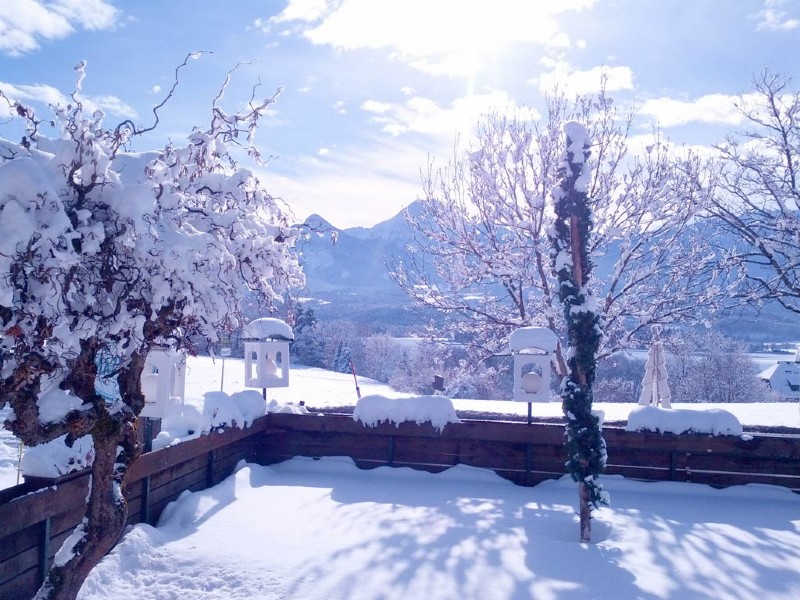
376,107
339,107
712,108
426,116
47,94
773,18
302,10
155,89
323,151
583,82
447,37
341,186
23,23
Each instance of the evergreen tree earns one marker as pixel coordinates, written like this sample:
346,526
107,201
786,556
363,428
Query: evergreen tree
586,449
341,363
307,346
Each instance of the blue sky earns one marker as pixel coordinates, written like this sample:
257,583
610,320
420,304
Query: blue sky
372,88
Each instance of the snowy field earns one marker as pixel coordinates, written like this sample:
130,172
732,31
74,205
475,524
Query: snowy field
324,529
320,389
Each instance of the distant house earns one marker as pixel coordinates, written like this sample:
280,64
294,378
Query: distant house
784,378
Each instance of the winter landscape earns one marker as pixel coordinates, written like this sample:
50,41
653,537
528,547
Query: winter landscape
431,208
324,529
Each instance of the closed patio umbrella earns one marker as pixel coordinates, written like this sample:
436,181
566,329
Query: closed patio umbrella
655,389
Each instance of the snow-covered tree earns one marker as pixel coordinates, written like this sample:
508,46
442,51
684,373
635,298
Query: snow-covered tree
104,251
480,248
342,360
710,367
307,346
572,262
758,203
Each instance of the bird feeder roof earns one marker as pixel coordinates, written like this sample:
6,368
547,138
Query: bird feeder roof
268,328
533,337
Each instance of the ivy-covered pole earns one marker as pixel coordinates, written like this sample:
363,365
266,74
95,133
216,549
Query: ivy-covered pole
586,449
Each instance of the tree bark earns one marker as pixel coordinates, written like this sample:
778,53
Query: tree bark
102,526
116,447
585,510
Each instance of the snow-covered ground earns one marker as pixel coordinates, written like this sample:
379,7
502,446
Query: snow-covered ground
320,389
306,529
315,530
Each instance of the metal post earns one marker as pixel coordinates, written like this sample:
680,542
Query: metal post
210,469
44,549
148,434
222,379
530,413
145,500
391,451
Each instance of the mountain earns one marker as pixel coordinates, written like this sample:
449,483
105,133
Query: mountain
346,273
347,278
351,259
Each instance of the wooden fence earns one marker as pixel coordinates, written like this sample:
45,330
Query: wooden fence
34,522
529,454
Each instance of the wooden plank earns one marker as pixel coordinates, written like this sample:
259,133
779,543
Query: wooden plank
756,445
152,462
485,430
67,520
23,585
34,508
19,563
17,542
173,473
744,464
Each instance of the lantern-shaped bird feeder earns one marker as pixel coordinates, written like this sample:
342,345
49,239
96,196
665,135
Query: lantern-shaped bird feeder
266,354
163,378
533,349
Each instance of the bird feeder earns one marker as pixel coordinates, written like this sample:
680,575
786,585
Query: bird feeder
163,377
266,353
533,349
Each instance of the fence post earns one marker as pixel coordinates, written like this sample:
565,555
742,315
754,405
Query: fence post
390,456
528,463
145,500
44,549
210,469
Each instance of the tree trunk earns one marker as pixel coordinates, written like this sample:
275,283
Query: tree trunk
585,509
102,525
116,447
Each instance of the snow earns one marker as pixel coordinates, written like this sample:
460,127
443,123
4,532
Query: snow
205,408
55,458
783,379
671,420
323,529
268,328
533,337
307,529
436,410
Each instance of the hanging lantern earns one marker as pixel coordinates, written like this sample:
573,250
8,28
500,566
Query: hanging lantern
266,353
163,378
533,349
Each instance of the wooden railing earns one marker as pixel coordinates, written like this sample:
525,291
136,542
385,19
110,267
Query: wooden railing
34,522
529,454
